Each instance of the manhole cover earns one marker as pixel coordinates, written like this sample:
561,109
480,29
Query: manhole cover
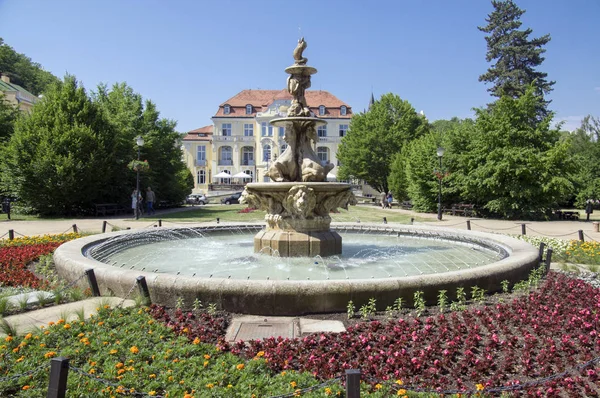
262,330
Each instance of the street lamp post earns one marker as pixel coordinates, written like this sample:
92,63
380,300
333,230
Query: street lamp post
140,143
440,154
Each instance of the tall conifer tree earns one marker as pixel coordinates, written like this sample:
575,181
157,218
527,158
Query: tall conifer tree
516,55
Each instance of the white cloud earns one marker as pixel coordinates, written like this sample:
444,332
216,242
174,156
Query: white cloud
570,123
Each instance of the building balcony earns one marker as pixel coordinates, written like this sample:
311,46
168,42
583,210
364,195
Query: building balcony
225,162
244,138
200,162
223,138
330,139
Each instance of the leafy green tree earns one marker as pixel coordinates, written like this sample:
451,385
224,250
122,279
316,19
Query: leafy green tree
8,116
23,71
168,176
515,165
516,54
59,159
586,150
376,137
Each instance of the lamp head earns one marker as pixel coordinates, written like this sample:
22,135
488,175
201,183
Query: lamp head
440,151
139,140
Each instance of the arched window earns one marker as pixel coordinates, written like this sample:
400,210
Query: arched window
343,110
283,147
226,109
226,156
247,156
266,153
250,173
323,154
248,109
321,110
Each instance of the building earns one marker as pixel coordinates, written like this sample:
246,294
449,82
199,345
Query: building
241,139
17,95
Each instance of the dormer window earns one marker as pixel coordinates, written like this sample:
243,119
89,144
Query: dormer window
248,109
227,109
321,110
343,110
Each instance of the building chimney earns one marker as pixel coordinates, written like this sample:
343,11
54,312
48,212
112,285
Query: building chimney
5,79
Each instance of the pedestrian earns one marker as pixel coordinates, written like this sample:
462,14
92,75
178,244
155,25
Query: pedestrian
135,200
150,199
383,200
389,199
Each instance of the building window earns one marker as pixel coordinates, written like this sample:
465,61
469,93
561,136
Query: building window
248,109
281,131
322,131
283,147
226,180
201,176
226,156
247,156
270,131
263,129
266,153
226,129
248,129
343,110
226,109
322,153
321,110
201,153
250,173
343,130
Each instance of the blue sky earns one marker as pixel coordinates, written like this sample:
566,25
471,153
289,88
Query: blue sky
190,56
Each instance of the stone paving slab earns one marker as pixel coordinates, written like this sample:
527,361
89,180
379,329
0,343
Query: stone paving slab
29,321
256,327
32,298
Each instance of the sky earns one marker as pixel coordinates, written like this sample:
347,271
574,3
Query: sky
189,57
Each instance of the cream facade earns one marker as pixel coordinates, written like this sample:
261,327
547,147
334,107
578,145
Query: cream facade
241,139
17,95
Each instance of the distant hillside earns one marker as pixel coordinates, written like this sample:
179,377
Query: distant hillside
22,71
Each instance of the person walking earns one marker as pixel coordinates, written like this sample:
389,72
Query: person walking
135,200
389,199
383,200
150,199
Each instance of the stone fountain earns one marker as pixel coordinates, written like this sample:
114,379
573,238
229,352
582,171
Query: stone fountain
298,200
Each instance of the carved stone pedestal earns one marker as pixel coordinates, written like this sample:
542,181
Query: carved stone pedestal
298,244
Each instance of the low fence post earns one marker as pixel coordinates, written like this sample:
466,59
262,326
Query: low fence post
523,231
159,222
384,220
541,255
412,220
104,226
352,383
548,259
59,371
581,235
11,234
469,225
75,228
92,281
143,286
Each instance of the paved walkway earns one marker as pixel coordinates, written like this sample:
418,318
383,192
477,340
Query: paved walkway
559,229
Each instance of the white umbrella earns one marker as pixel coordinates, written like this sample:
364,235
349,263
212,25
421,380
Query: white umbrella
241,174
223,175
331,177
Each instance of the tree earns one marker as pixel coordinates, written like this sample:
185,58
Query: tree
24,72
8,116
586,150
515,166
376,137
516,55
59,159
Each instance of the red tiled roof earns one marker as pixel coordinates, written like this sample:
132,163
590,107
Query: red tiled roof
261,99
201,134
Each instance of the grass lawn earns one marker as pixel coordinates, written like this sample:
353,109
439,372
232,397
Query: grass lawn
233,213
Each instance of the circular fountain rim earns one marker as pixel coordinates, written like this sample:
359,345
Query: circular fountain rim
302,296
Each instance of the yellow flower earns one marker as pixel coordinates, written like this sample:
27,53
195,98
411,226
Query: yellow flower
20,359
28,336
152,376
240,366
8,339
152,392
210,385
328,391
92,371
479,387
229,386
119,365
293,384
401,391
113,351
100,323
196,340
206,356
399,382
67,326
134,350
49,354
260,354
26,387
378,386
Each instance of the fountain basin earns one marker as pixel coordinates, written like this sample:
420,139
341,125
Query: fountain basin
297,297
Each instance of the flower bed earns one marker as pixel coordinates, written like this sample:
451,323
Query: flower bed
533,336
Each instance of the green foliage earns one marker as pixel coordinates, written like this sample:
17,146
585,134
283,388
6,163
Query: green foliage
197,305
398,304
585,149
211,309
516,55
8,117
477,294
368,309
350,309
179,303
504,284
419,302
515,166
442,299
376,137
461,300
24,72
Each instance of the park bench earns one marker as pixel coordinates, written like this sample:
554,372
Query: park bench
567,215
461,209
107,209
406,205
